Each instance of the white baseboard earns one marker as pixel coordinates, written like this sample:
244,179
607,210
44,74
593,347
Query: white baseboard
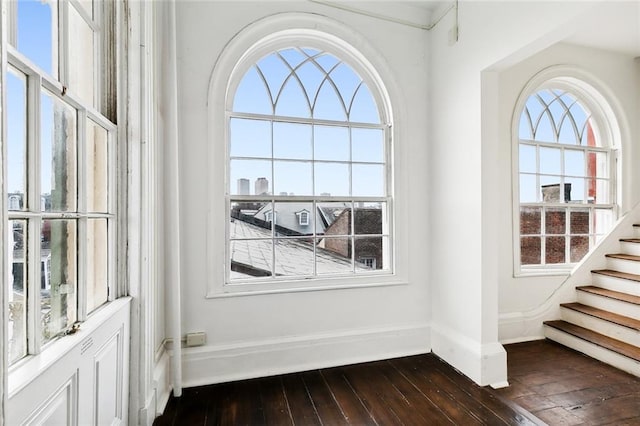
218,364
485,364
162,380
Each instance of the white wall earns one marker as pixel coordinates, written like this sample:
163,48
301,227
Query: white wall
266,334
468,162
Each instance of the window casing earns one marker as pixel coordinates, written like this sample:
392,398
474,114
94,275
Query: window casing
566,185
60,159
308,171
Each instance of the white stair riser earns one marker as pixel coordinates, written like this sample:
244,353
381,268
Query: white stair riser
617,284
636,231
630,248
598,325
622,265
608,304
595,351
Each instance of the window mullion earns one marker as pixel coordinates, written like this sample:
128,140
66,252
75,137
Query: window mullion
63,43
82,210
34,224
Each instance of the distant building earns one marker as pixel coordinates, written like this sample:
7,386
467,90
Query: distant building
262,186
243,186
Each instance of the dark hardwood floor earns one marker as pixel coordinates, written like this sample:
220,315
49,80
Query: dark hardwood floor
549,383
565,387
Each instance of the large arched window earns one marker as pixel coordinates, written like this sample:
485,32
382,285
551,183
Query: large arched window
566,178
308,180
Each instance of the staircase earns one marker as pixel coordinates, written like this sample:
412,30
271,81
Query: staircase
604,323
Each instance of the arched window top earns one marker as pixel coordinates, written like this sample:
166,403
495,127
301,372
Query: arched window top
558,116
306,83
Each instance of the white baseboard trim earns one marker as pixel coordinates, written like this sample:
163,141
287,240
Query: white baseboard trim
485,364
218,364
162,380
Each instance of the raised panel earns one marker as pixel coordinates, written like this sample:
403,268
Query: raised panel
59,409
108,382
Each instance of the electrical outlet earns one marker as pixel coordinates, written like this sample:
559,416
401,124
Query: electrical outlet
196,339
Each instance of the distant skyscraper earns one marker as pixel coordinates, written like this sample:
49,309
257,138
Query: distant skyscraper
262,186
243,186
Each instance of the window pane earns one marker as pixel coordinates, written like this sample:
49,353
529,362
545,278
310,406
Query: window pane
530,251
250,138
579,248
58,154
555,221
333,255
527,159
555,250
331,143
364,108
37,33
369,218
371,251
293,218
528,190
294,257
97,166
575,186
368,180
574,162
17,139
333,219
329,105
292,141
251,258
250,219
551,192
550,161
293,101
81,56
252,95
599,191
250,177
17,327
367,145
292,178
331,179
598,164
602,221
97,263
58,276
530,220
579,221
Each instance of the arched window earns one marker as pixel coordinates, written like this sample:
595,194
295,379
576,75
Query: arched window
566,185
306,135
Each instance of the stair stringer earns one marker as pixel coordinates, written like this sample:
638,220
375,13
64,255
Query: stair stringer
528,325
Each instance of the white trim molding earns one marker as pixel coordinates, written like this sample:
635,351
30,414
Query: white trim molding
484,363
217,364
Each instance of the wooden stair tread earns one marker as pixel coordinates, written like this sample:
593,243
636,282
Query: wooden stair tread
598,339
611,294
623,256
617,274
630,240
612,317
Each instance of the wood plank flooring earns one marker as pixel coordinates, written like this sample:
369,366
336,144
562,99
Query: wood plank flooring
418,390
564,387
549,383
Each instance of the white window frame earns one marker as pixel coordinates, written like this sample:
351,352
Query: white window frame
593,96
37,80
257,40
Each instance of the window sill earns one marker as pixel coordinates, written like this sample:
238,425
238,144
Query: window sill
298,286
30,367
546,272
